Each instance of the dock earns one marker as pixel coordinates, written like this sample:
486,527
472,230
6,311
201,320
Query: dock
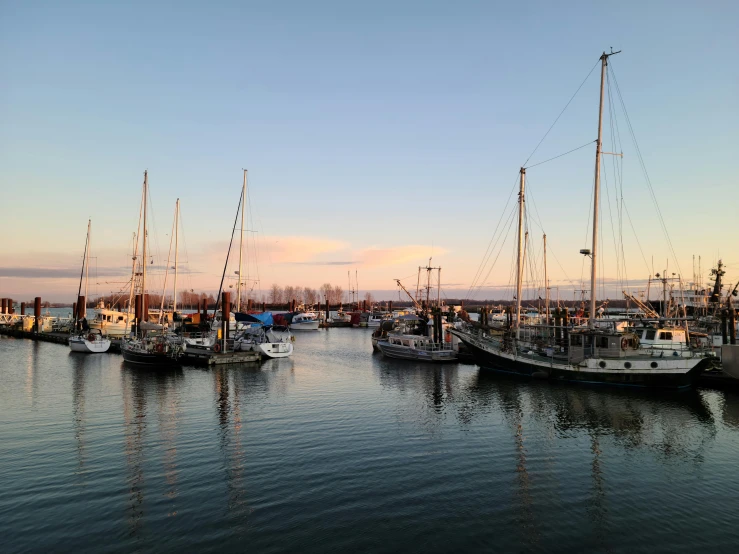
207,358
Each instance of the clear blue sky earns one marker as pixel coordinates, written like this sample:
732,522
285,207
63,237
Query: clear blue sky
365,127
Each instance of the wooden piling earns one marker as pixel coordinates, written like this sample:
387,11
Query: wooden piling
37,314
145,308
225,317
4,302
23,308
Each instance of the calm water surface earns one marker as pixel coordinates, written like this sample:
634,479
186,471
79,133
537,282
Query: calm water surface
338,449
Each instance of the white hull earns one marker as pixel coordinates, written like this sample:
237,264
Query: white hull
304,326
79,344
276,349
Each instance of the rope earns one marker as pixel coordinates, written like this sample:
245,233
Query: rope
570,152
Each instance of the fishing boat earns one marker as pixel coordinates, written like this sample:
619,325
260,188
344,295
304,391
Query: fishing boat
85,339
599,354
416,339
341,317
111,323
304,321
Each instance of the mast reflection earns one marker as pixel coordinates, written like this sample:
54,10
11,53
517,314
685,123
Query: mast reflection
137,384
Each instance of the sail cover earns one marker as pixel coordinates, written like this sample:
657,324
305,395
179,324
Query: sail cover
262,319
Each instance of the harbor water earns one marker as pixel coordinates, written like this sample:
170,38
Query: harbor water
338,449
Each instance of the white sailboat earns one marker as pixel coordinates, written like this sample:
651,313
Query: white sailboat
144,348
89,341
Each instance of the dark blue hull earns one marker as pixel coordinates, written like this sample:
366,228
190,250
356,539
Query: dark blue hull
677,380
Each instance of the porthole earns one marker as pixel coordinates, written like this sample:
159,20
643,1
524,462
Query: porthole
627,365
654,365
602,364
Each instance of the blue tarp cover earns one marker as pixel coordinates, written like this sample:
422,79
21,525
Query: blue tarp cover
263,319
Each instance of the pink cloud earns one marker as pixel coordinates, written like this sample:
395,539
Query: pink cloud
396,254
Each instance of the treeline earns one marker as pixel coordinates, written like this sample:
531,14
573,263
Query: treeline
306,295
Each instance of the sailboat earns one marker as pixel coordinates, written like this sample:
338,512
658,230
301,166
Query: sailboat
259,335
86,340
595,354
144,347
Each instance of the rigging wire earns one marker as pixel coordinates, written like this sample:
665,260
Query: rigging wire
510,218
564,154
491,246
562,112
644,170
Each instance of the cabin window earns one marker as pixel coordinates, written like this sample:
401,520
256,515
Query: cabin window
650,334
576,340
665,335
602,342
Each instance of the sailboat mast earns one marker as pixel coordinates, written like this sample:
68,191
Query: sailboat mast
438,291
519,263
169,257
241,243
596,192
176,245
143,265
87,267
546,282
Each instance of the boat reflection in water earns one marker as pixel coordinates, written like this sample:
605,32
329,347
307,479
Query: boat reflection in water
140,388
559,441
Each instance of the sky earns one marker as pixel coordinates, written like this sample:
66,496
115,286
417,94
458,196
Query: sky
375,134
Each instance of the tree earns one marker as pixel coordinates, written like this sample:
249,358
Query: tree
289,293
369,299
327,292
338,294
276,294
310,296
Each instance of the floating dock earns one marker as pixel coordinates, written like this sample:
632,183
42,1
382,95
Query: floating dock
208,358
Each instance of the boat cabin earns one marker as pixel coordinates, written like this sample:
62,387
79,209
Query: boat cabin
671,338
597,344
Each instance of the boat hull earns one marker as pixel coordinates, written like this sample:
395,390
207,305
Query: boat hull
149,358
77,344
276,349
304,326
674,373
408,353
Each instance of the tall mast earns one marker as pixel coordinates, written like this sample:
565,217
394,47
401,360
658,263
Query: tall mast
169,257
519,264
133,264
241,243
428,286
546,282
87,267
143,265
438,291
82,269
176,244
596,192
418,283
